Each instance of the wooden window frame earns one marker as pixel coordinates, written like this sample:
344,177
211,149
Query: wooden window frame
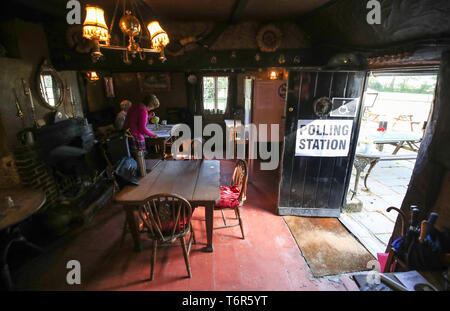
216,89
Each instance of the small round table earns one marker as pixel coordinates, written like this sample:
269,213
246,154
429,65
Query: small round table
27,201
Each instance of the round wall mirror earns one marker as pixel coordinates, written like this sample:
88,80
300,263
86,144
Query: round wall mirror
50,86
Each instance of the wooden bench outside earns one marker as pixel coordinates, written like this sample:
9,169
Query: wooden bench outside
363,159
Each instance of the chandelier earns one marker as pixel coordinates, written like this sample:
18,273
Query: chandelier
96,29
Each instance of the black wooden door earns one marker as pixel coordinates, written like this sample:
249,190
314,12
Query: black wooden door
310,185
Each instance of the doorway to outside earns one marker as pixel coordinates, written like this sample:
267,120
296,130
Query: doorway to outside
396,107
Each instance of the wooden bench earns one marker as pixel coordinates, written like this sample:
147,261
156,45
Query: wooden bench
363,159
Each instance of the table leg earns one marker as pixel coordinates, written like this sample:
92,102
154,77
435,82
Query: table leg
413,146
133,227
372,164
397,148
5,276
360,164
209,217
10,236
355,189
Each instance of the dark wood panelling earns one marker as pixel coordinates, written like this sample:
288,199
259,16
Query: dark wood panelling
316,186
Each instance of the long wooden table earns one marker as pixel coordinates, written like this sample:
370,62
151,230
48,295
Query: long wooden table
197,181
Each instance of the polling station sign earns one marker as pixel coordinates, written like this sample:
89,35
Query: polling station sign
323,138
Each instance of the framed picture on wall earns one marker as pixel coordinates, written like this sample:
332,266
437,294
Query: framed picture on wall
150,82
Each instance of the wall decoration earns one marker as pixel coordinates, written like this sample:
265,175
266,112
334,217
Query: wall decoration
282,91
109,87
269,38
322,106
19,113
150,82
192,79
344,107
49,86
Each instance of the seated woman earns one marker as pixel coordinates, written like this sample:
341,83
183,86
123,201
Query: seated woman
137,119
120,118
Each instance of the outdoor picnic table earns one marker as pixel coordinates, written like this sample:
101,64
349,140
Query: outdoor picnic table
362,159
398,139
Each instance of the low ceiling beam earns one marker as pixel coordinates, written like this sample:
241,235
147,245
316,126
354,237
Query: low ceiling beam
305,17
235,17
238,11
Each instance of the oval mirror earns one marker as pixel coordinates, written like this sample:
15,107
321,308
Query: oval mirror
50,86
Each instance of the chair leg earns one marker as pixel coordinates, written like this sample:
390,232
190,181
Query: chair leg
155,246
124,232
186,255
193,234
223,216
389,262
240,221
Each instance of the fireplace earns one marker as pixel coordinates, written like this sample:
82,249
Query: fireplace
65,161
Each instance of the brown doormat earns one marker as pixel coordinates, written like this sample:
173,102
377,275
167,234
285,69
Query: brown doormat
328,247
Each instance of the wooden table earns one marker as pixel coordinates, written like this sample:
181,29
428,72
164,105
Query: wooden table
164,134
197,181
27,202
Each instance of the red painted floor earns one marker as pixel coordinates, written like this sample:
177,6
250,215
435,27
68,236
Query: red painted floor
268,259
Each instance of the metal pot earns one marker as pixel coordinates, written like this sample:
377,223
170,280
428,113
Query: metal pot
26,137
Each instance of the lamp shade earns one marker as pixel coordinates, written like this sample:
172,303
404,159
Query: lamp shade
158,36
92,76
94,26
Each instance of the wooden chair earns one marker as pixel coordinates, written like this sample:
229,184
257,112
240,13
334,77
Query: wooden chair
188,144
167,218
234,196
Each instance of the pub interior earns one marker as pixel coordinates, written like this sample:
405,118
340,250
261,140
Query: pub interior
203,145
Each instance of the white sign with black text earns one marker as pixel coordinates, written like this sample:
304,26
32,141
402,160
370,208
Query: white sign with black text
323,138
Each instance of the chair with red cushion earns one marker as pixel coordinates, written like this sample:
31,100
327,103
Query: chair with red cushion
167,218
233,196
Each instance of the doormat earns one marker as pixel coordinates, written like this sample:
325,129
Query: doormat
328,247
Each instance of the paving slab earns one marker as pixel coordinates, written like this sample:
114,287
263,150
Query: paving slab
374,221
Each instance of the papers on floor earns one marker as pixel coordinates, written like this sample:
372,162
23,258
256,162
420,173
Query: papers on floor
412,278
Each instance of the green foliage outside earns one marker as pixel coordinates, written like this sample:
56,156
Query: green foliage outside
403,84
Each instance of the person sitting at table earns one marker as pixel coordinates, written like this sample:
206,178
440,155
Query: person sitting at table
120,118
137,119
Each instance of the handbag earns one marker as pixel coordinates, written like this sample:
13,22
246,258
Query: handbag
127,171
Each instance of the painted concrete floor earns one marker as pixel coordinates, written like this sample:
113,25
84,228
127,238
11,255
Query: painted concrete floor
268,259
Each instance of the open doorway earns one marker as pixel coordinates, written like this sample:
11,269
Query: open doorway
397,106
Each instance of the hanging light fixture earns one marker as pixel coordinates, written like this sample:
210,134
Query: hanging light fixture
159,38
95,29
94,26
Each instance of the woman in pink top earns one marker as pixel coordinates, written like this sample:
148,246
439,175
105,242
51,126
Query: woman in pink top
137,119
